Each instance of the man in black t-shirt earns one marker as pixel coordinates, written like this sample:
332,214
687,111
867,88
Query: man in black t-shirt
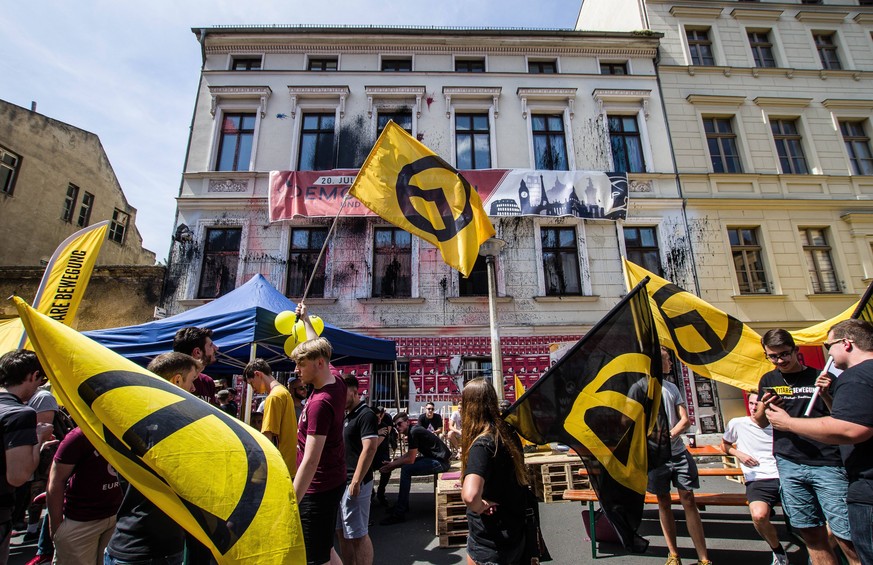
23,438
427,455
812,478
850,344
430,420
361,439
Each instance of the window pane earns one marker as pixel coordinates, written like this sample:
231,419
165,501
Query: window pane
220,262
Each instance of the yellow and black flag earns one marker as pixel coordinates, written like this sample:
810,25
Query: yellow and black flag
818,334
602,399
712,343
410,186
218,478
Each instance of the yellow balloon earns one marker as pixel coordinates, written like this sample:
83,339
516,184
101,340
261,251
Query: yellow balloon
317,324
285,322
290,344
299,332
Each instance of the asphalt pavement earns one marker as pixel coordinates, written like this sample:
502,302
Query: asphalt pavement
731,537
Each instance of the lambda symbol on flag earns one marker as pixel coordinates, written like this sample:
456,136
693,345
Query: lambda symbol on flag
719,347
159,425
407,191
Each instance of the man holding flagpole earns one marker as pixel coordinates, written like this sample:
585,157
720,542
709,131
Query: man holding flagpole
850,424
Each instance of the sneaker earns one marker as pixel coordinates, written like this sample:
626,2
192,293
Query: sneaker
392,519
780,559
673,559
40,559
704,562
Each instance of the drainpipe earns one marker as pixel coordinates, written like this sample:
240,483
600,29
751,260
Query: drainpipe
657,61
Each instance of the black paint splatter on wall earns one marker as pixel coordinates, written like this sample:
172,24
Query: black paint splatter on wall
353,143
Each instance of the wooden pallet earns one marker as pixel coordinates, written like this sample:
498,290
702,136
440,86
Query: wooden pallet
451,514
554,478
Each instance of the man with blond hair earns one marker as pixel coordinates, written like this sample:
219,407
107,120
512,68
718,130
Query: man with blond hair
321,469
850,424
279,422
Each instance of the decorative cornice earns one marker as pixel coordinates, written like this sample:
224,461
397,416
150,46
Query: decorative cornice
752,14
338,92
823,17
864,18
782,102
466,92
295,48
261,93
403,92
847,104
695,12
567,94
641,97
715,100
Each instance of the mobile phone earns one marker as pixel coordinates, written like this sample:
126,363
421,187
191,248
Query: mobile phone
772,390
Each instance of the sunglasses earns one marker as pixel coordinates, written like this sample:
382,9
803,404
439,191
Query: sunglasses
829,344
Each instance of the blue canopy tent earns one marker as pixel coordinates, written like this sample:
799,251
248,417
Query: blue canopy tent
242,322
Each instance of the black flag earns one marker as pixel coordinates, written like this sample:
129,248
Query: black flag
602,399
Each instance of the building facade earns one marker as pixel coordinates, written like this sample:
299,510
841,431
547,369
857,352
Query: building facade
769,107
56,179
308,103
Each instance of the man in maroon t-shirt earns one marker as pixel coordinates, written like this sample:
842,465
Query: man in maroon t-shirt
321,468
82,498
197,342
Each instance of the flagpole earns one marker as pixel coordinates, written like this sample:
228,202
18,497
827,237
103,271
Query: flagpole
323,247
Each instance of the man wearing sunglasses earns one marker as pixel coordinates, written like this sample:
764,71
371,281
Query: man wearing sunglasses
850,344
813,480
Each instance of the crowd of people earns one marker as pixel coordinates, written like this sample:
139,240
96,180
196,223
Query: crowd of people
807,445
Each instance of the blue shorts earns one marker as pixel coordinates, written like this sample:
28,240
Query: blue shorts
681,470
813,496
353,518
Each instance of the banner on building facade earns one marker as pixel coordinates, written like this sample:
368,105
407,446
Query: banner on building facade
504,192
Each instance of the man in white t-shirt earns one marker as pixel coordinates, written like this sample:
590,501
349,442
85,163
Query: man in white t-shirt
752,445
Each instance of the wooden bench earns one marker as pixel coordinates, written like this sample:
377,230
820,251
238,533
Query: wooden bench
701,498
703,472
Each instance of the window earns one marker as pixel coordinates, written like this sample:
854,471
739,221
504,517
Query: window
472,141
550,147
700,46
220,262
547,67
246,64
402,118
858,147
748,261
322,64
810,1
627,146
475,368
788,146
118,226
469,65
827,50
392,263
85,210
306,244
70,203
613,68
822,274
397,65
641,246
865,2
384,385
762,48
235,145
316,142
9,163
560,261
722,143
477,283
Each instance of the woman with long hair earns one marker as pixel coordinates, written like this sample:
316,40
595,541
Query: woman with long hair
494,483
